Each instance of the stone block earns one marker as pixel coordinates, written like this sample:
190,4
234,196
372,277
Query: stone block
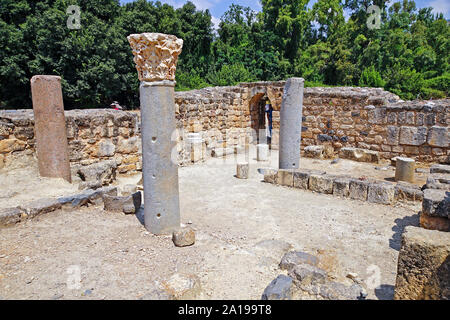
423,265
434,223
39,207
279,289
341,187
315,152
392,135
413,136
438,137
381,192
106,149
127,205
242,170
440,168
440,181
271,176
103,172
358,189
436,203
408,191
360,155
183,237
10,216
321,183
285,178
337,291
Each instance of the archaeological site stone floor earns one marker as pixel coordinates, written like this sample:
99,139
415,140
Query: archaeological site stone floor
243,227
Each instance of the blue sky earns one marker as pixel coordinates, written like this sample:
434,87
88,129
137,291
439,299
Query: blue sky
218,7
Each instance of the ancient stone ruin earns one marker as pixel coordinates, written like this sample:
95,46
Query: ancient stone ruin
338,194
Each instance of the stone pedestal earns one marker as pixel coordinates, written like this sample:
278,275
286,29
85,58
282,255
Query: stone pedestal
156,56
405,169
262,152
242,170
50,127
291,124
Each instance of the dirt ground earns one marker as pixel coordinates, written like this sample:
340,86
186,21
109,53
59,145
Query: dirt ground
233,219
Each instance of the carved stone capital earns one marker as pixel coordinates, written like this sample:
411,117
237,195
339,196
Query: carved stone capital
155,55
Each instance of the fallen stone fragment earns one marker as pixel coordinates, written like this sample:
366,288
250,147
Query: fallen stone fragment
315,152
183,237
182,287
271,176
434,223
423,265
279,289
102,172
338,291
293,258
308,275
440,181
360,155
127,204
87,197
10,216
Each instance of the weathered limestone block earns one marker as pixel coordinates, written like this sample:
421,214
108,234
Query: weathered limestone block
438,137
12,145
440,168
321,183
242,170
184,237
10,216
436,203
413,136
106,149
39,207
50,126
423,265
262,152
440,181
128,190
301,179
434,223
360,155
315,152
381,192
103,172
285,178
155,55
127,204
279,289
405,169
392,135
408,191
271,176
358,189
87,197
341,187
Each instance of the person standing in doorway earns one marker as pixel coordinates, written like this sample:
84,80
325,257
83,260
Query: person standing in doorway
268,111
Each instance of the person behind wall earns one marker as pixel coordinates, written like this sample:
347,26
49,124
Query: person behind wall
269,110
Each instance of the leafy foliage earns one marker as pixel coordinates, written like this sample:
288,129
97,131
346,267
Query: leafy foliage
408,55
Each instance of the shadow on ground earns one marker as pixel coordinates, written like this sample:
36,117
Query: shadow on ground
396,241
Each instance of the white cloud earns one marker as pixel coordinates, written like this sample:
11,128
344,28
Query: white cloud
440,6
216,22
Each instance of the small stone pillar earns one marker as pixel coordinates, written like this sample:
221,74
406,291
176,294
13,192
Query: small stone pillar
242,170
156,56
52,147
291,124
405,168
262,152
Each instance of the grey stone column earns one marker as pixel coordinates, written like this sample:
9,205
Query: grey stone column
156,56
291,124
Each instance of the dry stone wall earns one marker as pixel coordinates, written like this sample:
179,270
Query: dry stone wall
228,117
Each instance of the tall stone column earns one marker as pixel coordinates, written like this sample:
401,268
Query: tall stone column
291,124
52,147
156,56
